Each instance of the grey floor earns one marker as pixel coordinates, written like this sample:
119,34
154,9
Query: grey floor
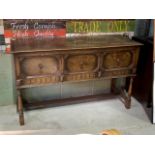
86,118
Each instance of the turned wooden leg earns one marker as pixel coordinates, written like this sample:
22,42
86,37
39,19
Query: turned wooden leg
20,110
113,85
129,93
127,96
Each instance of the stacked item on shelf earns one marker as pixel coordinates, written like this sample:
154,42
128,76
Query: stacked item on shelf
2,39
2,43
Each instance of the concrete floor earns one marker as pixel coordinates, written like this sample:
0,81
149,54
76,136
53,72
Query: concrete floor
87,118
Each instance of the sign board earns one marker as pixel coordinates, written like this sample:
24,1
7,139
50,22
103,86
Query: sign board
35,28
89,26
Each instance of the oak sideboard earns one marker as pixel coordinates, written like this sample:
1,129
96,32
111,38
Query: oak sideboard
41,62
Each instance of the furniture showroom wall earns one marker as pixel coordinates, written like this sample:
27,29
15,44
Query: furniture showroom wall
7,95
7,85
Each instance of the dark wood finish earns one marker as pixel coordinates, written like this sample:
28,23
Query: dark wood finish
20,109
129,93
43,62
67,101
113,85
127,97
154,42
73,43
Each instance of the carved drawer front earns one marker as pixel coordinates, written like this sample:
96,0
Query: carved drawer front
80,67
80,63
39,65
38,70
40,80
117,60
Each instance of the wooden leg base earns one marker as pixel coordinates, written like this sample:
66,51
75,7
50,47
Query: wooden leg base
126,100
21,119
126,96
20,110
127,104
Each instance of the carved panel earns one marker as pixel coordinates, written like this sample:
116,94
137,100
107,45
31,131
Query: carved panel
78,77
117,73
119,59
39,65
81,63
40,80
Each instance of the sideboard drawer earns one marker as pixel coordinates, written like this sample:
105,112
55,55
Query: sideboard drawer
113,60
81,66
38,65
81,63
118,62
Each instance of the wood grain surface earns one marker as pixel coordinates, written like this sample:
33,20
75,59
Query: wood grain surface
59,44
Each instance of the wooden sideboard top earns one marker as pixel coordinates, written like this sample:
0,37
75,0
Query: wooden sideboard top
56,44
